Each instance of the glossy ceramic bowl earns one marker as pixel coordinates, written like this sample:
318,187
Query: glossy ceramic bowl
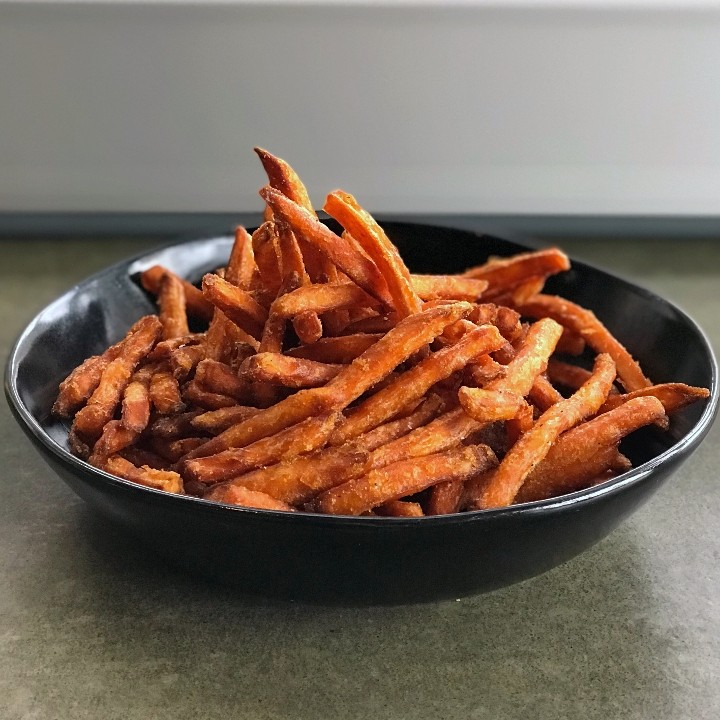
350,559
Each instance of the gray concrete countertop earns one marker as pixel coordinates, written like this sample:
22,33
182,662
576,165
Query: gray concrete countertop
91,626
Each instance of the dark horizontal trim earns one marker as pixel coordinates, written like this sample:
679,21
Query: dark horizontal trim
18,224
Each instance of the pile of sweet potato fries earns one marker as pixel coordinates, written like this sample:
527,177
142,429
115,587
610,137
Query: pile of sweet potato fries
330,379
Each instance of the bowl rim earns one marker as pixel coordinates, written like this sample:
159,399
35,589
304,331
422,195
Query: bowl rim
569,501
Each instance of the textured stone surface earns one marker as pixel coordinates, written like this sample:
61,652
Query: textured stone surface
91,626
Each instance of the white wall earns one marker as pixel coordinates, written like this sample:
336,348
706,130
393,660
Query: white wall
546,108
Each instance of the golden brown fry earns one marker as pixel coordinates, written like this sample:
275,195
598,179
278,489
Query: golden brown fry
284,179
171,303
136,406
301,438
504,273
114,438
407,337
239,495
184,360
173,427
197,305
322,298
165,393
194,394
237,304
586,324
336,350
570,343
400,508
445,497
358,267
298,480
264,244
585,452
164,349
373,240
543,395
673,396
174,450
404,478
534,445
158,479
241,269
566,375
447,287
414,383
219,378
214,422
490,405
278,369
90,420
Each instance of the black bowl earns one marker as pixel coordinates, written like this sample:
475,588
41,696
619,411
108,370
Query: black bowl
349,559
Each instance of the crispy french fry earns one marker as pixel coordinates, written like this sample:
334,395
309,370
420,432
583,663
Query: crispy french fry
219,378
371,237
447,287
414,383
673,396
400,508
301,438
404,478
184,360
214,422
165,393
158,479
543,395
336,350
174,450
322,298
239,495
164,349
490,405
114,438
586,324
265,252
358,267
197,305
236,304
505,273
534,445
291,372
241,269
445,497
171,303
194,394
91,419
570,343
585,452
566,375
136,406
173,427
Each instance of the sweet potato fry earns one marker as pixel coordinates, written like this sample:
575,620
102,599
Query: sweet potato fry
82,382
196,304
490,405
299,479
322,298
585,452
165,348
371,237
142,456
407,337
114,438
400,508
566,375
165,393
265,252
534,445
291,372
239,495
241,269
214,422
445,497
184,360
414,383
216,377
136,406
301,438
171,303
237,304
284,179
570,343
174,450
447,287
336,350
673,396
158,479
91,419
543,395
358,267
404,478
504,273
596,335
173,427
194,394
